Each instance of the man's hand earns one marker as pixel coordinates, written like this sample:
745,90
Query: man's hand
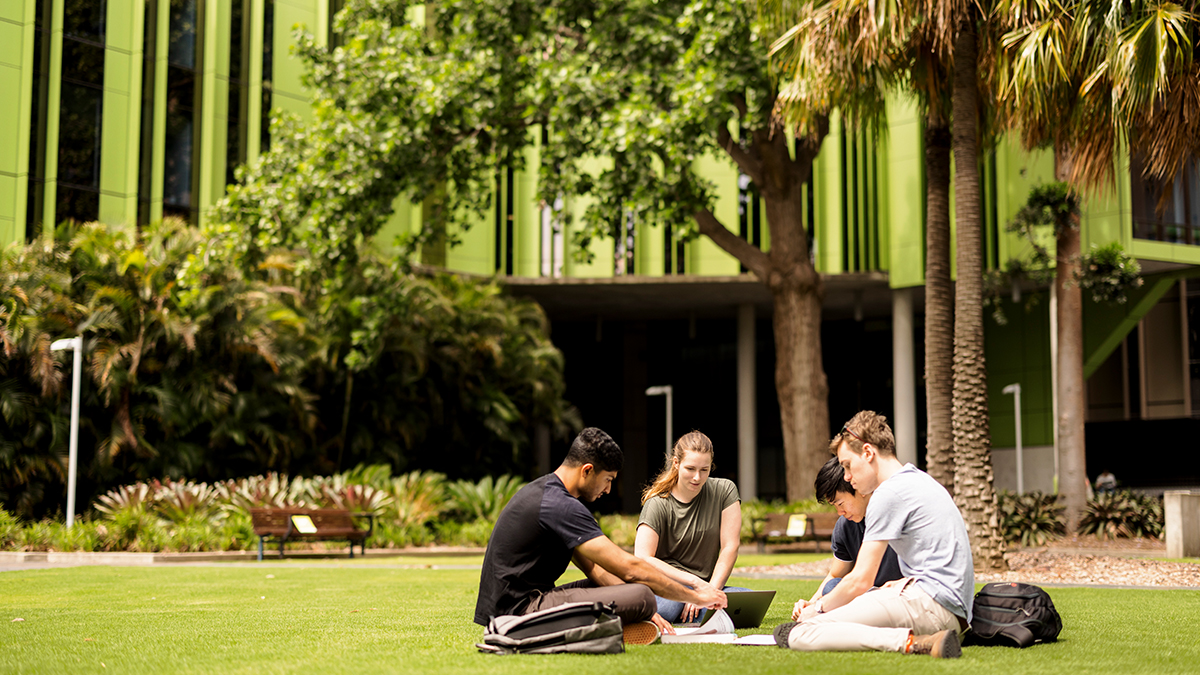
664,626
799,607
809,611
711,598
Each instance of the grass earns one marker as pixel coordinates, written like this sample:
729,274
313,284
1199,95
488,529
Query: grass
336,618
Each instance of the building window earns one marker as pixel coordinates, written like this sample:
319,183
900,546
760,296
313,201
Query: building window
182,133
146,147
81,110
268,71
37,131
239,88
1166,212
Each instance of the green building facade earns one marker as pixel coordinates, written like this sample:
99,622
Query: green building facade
126,111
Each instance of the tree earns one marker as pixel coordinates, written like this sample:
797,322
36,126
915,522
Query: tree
972,440
641,90
1075,77
911,43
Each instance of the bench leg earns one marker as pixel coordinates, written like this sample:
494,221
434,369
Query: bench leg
260,547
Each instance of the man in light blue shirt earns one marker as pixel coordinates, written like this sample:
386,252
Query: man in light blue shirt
926,611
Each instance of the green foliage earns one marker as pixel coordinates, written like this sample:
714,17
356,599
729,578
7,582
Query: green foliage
1109,273
621,528
10,530
755,511
1123,514
1031,519
471,533
194,365
485,499
417,498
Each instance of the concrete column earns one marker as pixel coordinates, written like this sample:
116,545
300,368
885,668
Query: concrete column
1181,511
747,420
903,380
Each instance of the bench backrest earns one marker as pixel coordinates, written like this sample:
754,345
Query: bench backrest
277,521
818,525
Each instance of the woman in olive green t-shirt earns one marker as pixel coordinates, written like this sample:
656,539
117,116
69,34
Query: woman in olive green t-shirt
690,526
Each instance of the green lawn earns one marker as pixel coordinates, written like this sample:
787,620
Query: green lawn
333,618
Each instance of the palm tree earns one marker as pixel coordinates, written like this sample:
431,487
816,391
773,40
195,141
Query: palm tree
972,441
916,43
1074,76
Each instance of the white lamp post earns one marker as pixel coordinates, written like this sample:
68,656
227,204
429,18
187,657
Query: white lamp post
1015,390
76,345
665,390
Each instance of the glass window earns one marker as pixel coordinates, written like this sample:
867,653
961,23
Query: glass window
1163,212
81,110
239,88
84,19
182,133
268,71
37,129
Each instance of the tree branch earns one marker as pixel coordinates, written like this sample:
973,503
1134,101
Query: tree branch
754,260
747,163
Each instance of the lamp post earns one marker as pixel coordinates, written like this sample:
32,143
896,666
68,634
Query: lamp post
1015,390
665,390
75,344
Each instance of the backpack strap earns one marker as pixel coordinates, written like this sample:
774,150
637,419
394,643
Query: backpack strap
1019,634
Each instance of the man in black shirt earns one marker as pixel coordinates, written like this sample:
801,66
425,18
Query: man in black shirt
847,539
546,526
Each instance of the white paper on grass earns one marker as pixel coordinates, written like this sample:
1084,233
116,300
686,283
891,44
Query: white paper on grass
718,628
757,640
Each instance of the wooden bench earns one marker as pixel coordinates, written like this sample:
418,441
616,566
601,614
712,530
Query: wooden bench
330,524
816,527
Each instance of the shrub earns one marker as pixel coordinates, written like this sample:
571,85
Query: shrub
10,530
483,500
472,533
1123,514
82,536
390,534
622,529
1031,519
754,511
417,498
37,536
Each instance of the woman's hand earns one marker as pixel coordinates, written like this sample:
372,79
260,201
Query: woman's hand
690,612
664,626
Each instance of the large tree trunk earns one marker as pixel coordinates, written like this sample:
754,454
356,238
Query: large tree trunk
800,380
939,308
972,443
1072,406
788,272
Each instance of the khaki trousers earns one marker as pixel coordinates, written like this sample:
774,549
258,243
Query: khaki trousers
878,620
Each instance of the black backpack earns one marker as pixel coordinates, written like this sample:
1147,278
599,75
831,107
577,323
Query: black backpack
1013,614
581,627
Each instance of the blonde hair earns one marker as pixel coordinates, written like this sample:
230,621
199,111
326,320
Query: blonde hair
690,442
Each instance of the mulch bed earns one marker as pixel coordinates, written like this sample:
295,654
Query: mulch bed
1062,562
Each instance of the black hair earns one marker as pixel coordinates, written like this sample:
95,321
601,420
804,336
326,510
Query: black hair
831,479
593,446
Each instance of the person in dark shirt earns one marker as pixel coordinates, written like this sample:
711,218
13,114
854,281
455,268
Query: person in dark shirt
847,539
546,526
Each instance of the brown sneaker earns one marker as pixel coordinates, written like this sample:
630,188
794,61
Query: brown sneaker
640,633
941,645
